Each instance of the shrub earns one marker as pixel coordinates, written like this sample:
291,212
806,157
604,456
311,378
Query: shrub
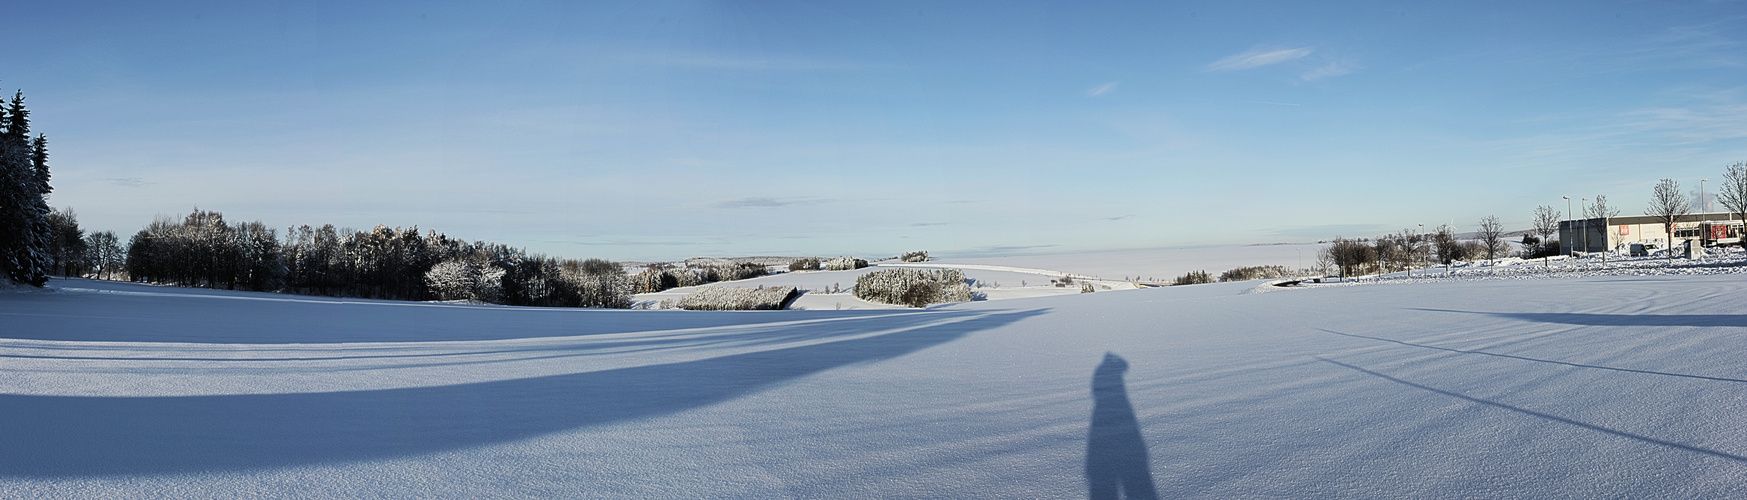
919,293
722,298
900,286
921,256
807,264
845,264
1086,287
744,270
1255,272
1193,278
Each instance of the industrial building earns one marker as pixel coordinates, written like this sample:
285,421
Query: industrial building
1611,233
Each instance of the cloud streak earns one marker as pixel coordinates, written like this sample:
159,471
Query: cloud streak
758,202
1332,69
1256,58
1102,89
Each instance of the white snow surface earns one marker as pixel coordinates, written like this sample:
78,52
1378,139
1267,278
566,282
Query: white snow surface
988,283
1617,380
1160,264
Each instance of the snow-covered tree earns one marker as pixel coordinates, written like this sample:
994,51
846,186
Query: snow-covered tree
465,279
24,210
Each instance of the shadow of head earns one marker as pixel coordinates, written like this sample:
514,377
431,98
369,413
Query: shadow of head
1109,373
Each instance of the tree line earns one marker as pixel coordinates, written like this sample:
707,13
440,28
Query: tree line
204,250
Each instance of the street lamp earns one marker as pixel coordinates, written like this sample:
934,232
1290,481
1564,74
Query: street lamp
1419,247
1568,224
1586,224
1703,207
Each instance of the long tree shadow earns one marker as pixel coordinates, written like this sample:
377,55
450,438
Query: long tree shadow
59,436
1546,416
1116,459
266,318
1587,319
1537,360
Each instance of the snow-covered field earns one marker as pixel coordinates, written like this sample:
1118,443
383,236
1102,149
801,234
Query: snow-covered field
1620,381
1160,264
831,289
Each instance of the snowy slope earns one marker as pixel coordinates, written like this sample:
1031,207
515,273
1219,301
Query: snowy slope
1599,386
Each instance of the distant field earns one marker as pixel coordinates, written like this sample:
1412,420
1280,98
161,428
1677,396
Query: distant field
1163,263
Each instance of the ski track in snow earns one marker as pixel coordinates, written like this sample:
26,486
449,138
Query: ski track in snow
1576,379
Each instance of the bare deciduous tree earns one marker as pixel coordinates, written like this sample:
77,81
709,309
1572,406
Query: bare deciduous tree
1447,247
1599,209
1667,205
1546,223
1733,190
104,252
1491,236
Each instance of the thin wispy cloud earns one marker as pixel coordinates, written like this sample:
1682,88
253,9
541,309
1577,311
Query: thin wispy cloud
1336,68
759,202
1256,58
1116,218
127,181
1102,89
1270,103
753,63
926,224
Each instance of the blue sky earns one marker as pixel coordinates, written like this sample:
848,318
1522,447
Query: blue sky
651,130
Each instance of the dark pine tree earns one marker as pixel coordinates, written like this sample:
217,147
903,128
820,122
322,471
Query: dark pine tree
24,227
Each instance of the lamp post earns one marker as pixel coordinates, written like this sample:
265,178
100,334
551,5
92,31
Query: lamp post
1703,207
1586,224
1569,224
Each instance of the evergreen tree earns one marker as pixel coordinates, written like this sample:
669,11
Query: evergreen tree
39,162
24,225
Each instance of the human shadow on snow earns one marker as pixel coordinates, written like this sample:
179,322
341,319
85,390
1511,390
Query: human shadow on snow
1588,319
70,436
1116,458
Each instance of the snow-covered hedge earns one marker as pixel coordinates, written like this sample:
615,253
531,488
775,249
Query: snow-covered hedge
921,256
1193,278
1255,272
913,287
845,264
722,298
744,270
